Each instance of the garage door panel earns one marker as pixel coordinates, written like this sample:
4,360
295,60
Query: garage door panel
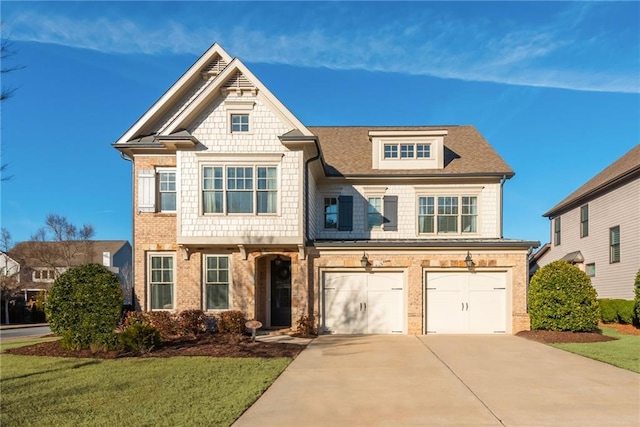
491,317
385,312
443,307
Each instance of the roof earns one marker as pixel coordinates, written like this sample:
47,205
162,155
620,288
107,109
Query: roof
622,170
428,243
27,251
347,152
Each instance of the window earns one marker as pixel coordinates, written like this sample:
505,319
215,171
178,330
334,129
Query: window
591,270
556,231
374,213
584,221
331,212
166,191
390,151
407,151
614,244
161,283
216,282
44,275
240,189
239,123
447,214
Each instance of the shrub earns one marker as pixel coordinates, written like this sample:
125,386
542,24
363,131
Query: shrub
83,307
561,298
192,322
637,300
617,311
139,337
306,325
164,322
231,322
133,317
608,311
625,311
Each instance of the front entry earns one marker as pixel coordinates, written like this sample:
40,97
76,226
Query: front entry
281,292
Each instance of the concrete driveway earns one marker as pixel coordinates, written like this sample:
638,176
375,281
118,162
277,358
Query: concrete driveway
390,380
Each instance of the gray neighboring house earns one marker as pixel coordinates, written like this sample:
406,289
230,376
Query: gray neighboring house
41,262
597,228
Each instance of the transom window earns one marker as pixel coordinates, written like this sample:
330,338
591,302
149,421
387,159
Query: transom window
239,123
216,282
447,214
614,244
374,212
331,212
161,281
240,189
167,191
407,151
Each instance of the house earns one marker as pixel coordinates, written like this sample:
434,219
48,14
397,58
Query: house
371,229
597,228
42,262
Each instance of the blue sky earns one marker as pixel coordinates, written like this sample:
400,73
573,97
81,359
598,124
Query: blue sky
553,86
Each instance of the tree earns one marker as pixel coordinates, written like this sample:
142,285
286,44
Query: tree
61,244
9,272
6,52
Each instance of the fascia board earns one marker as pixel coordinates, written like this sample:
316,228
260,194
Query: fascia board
190,75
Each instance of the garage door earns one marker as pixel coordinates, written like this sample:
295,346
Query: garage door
465,303
363,303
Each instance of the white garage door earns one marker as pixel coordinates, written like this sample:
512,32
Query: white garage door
465,303
363,303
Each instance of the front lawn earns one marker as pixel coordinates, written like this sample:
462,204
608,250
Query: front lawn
623,352
194,391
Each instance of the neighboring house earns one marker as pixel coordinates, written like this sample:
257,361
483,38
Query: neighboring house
43,262
8,266
240,206
597,228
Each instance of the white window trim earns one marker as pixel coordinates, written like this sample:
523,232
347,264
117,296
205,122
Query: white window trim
204,282
459,195
158,171
175,281
239,107
243,163
322,215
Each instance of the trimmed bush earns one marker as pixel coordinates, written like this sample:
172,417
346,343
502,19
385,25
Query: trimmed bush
164,322
192,322
84,307
637,299
231,322
608,311
139,337
561,298
617,311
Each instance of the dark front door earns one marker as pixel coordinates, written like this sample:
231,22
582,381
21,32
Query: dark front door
281,292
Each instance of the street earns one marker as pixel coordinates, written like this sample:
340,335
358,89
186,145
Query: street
20,332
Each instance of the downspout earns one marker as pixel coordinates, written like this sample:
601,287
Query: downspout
133,233
502,181
306,190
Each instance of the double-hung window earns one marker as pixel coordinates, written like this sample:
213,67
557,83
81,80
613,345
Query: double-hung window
331,212
239,189
161,281
216,282
584,221
447,214
166,190
614,244
374,213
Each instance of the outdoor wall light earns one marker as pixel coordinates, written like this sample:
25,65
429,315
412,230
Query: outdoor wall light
278,261
364,261
468,261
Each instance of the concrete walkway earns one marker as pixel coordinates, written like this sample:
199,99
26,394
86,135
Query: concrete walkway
382,380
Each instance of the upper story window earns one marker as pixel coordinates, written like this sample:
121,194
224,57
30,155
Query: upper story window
331,212
584,221
407,149
44,275
161,281
239,189
374,213
338,213
591,270
447,214
556,231
166,190
614,244
390,151
239,123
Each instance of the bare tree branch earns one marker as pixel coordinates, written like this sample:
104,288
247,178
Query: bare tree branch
71,244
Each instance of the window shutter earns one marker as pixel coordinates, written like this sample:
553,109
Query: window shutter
390,212
345,213
147,191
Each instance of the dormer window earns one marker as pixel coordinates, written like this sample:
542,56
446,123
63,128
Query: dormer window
407,149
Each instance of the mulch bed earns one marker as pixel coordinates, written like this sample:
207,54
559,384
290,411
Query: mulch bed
214,345
557,337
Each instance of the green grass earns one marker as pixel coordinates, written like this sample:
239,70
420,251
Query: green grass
623,353
193,391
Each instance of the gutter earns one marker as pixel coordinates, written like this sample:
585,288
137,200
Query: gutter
502,181
306,190
133,234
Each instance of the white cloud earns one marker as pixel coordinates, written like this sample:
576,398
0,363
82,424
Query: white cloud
444,48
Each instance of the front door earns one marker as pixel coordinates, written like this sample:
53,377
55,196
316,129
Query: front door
281,292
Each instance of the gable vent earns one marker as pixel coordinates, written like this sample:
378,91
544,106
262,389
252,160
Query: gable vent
239,83
214,68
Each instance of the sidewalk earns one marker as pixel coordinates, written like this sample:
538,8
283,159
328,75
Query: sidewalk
22,325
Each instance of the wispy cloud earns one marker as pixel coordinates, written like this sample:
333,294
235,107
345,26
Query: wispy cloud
554,54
